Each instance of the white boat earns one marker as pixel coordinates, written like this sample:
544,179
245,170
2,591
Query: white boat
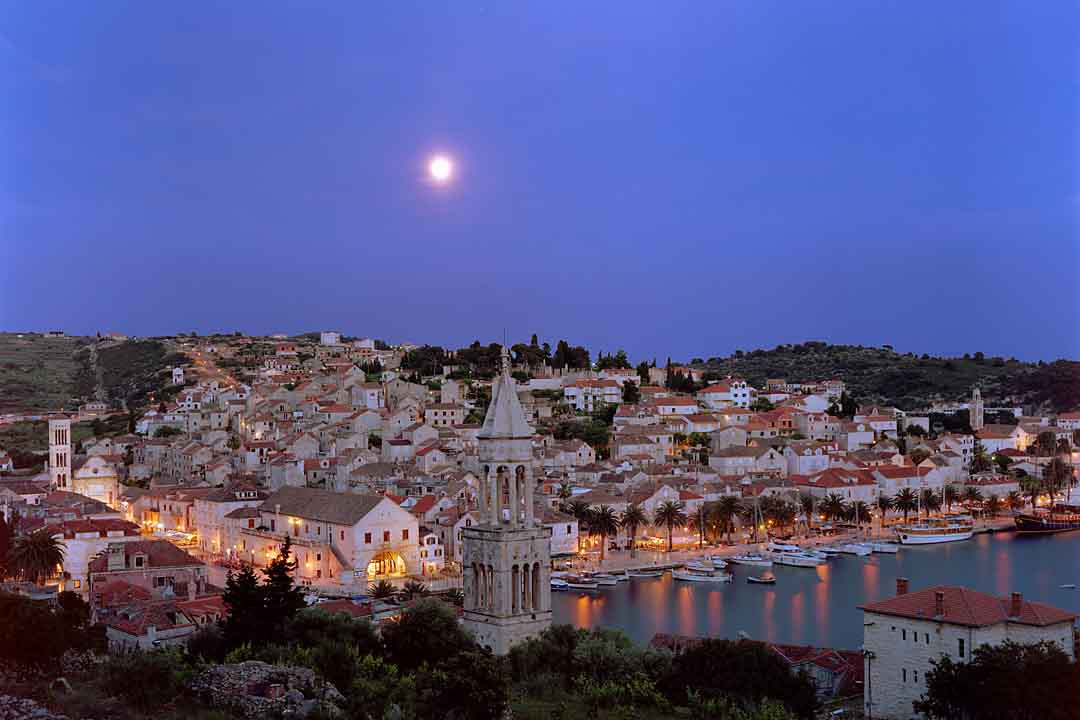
710,576
766,578
828,550
574,582
884,547
645,573
702,564
798,559
718,560
753,559
935,531
559,584
854,549
603,579
774,546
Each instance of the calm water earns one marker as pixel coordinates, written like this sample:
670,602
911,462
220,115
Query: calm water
816,606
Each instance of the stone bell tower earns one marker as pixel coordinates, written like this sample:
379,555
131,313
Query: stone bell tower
60,452
976,410
507,555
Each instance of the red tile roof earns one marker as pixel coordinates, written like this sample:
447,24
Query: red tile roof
971,608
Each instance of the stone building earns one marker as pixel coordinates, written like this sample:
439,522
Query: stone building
507,555
902,635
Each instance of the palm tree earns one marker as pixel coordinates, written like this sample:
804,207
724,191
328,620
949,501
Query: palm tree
832,507
807,503
381,590
580,510
972,495
884,504
1032,487
724,512
950,495
603,522
905,501
670,514
564,494
632,518
930,500
413,587
36,557
750,516
993,505
860,513
1014,500
456,596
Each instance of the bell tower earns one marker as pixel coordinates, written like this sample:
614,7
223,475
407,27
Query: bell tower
507,555
60,452
976,410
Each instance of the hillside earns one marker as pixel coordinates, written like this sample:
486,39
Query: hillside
36,372
907,380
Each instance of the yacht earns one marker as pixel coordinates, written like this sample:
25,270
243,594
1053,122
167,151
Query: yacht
854,549
798,558
1059,518
943,530
559,584
710,576
574,582
884,547
753,559
774,546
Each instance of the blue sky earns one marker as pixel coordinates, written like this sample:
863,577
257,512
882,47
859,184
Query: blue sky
671,178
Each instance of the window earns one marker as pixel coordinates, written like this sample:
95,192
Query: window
342,534
903,674
251,523
272,528
318,530
386,536
367,538
916,675
405,534
78,584
138,561
961,647
318,557
927,638
903,634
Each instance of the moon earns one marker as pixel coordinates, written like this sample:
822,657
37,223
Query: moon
441,169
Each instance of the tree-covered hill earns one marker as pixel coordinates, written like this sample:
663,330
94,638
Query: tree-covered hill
905,379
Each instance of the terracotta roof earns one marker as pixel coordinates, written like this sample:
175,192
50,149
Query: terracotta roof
964,606
159,554
323,505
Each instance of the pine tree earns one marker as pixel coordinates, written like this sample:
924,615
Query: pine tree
282,598
245,600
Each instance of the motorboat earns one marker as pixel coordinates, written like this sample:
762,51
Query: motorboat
645,573
559,584
766,578
706,564
709,576
828,550
854,549
603,579
774,546
884,547
574,582
719,561
752,559
798,559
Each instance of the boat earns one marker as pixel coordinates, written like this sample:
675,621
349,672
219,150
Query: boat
798,559
603,579
884,547
706,565
645,573
718,560
1068,586
766,578
1059,518
573,582
559,584
753,559
829,550
854,549
943,530
711,576
774,546
621,576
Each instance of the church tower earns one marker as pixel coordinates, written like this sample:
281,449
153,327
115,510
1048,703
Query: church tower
60,452
976,410
507,555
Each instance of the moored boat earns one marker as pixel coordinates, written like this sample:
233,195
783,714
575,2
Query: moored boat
798,559
854,549
1059,518
766,578
574,582
884,547
752,559
709,576
943,530
559,584
603,579
774,546
829,550
645,573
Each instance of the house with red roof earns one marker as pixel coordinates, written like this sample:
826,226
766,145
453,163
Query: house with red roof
903,635
852,485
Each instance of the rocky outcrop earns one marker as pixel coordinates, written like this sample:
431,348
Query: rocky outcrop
256,689
16,708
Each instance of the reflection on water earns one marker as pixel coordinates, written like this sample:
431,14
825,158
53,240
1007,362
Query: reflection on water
818,605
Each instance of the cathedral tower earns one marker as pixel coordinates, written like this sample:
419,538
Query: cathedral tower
60,452
507,555
976,410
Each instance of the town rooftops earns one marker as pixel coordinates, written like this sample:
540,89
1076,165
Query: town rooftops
322,505
159,554
971,608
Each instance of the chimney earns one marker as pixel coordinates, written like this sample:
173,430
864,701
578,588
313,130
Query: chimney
1016,604
901,586
939,604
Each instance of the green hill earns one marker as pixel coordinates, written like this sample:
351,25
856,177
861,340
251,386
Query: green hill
907,380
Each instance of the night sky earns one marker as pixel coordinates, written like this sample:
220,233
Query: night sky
672,178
